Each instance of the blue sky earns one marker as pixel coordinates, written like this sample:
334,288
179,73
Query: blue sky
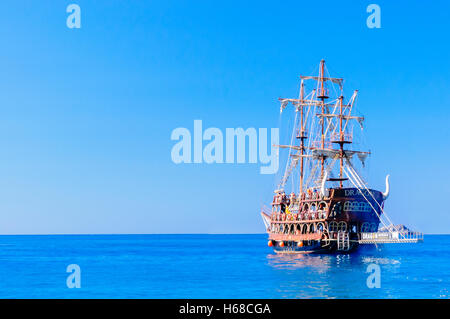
86,114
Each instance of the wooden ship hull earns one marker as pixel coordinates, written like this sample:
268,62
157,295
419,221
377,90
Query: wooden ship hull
322,224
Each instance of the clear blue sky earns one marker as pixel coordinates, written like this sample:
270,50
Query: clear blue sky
86,115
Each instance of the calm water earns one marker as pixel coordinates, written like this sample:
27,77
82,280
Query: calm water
213,266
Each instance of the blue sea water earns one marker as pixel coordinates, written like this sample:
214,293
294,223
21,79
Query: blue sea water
214,266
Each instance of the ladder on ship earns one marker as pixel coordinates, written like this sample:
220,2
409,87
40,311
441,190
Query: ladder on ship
343,241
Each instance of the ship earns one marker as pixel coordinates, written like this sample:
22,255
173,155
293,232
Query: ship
329,207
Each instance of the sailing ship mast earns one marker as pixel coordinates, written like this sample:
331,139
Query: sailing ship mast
322,96
323,141
302,135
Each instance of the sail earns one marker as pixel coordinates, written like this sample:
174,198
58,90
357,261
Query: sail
338,81
283,105
318,153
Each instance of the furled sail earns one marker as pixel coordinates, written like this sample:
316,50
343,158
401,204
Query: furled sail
318,153
362,157
317,78
283,105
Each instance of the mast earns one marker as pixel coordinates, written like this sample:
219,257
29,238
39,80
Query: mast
341,144
302,136
330,123
322,96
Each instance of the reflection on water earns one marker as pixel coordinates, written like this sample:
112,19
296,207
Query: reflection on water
322,262
328,275
380,260
319,263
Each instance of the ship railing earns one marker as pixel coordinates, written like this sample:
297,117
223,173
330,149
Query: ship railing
297,216
390,237
312,196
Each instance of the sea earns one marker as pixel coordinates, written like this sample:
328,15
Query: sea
214,266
